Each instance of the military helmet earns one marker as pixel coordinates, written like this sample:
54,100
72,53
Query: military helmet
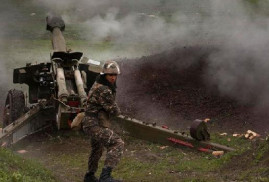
111,67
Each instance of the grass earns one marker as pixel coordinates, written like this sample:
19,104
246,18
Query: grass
259,170
263,149
146,161
255,175
182,164
16,169
173,164
67,154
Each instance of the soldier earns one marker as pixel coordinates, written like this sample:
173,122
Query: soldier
101,106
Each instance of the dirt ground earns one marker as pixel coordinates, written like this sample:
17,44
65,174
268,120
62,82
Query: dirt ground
170,88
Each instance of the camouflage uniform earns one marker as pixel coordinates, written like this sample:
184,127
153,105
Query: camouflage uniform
100,107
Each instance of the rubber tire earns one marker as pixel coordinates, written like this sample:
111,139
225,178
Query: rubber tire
14,106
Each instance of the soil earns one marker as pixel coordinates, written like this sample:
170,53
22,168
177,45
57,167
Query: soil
171,88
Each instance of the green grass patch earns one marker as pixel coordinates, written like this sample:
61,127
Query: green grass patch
148,162
258,174
263,149
16,169
239,143
76,160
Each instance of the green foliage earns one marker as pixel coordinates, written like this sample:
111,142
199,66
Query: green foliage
261,151
13,168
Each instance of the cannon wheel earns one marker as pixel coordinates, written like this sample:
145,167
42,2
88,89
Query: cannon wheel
14,106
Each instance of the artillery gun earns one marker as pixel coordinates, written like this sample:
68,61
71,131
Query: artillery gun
58,86
57,93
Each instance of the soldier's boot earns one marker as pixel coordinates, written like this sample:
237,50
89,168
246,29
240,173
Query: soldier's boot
89,177
106,176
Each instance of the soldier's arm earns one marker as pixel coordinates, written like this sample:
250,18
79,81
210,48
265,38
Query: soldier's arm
108,102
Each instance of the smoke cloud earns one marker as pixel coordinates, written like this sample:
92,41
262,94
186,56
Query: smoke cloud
238,29
3,70
239,68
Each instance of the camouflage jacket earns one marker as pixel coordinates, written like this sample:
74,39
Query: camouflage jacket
101,97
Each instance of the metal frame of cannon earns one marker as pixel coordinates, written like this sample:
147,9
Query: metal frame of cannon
56,89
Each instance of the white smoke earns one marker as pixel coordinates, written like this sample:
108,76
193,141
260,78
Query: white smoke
240,67
3,71
138,28
239,29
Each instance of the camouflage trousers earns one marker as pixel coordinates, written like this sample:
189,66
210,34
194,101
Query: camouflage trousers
101,138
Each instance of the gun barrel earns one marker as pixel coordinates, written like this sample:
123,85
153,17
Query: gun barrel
56,25
79,84
62,91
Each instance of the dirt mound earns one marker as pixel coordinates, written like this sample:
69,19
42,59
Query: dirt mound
170,88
